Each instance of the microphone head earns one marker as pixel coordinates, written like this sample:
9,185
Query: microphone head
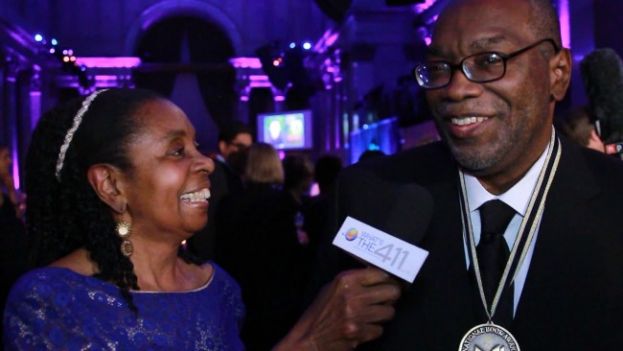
403,210
602,74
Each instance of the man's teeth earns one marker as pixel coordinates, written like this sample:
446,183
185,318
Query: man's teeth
201,195
462,121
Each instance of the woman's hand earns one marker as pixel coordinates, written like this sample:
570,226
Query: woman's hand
348,312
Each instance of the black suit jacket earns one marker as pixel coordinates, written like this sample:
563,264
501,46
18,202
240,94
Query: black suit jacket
573,295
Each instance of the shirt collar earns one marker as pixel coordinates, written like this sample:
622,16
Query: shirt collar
516,197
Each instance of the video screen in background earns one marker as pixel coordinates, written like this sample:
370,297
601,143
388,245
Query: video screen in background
286,130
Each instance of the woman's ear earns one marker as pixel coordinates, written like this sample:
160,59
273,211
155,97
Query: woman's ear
105,180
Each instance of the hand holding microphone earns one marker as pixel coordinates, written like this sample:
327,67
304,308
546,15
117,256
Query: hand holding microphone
352,308
348,311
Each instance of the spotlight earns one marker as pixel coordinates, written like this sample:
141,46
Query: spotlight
70,52
65,52
292,45
65,58
72,59
54,41
277,62
38,37
306,45
52,50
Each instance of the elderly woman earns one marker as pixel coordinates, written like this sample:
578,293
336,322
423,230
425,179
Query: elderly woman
115,185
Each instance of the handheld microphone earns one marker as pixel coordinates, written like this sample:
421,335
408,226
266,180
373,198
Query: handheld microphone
602,74
404,209
384,220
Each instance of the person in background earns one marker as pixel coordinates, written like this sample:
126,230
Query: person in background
578,126
116,184
257,225
319,213
371,155
524,240
298,178
9,201
13,248
233,139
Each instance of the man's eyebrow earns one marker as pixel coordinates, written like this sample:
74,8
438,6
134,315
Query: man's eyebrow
475,46
486,43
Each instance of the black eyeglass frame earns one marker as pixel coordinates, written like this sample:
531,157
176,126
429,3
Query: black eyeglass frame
461,65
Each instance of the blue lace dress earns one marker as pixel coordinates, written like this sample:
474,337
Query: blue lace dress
58,309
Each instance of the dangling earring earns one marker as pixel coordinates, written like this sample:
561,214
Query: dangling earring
124,230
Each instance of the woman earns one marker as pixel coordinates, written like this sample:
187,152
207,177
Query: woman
115,185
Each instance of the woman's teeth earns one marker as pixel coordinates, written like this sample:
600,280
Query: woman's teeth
197,196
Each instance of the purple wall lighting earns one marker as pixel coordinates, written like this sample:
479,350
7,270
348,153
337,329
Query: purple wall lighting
15,158
109,62
419,8
565,22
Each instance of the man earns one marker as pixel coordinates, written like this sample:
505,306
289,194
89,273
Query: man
494,72
233,140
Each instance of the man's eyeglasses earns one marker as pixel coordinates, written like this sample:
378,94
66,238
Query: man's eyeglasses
480,68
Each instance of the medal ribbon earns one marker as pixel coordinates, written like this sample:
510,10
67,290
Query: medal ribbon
527,229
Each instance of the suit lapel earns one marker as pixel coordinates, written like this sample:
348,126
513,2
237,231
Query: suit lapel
546,293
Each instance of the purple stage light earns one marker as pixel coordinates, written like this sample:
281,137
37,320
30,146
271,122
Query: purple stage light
38,37
258,77
327,40
246,62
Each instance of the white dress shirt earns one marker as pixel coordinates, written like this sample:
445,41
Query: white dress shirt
516,197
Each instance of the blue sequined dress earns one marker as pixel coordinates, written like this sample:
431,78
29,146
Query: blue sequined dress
58,309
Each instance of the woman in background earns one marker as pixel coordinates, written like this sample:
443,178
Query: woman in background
115,185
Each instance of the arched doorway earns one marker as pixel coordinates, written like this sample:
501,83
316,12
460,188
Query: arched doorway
186,58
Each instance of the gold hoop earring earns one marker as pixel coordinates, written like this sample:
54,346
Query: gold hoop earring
124,229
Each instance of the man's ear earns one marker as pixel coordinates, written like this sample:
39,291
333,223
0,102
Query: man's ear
560,74
106,181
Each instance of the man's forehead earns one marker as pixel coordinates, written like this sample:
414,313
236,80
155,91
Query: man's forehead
483,43
472,26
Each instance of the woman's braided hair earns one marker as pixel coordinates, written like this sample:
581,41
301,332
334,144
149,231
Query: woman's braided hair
66,214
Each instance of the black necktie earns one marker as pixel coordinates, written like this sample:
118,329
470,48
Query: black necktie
493,255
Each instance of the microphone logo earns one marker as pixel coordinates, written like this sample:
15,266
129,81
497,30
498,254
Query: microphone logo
351,234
